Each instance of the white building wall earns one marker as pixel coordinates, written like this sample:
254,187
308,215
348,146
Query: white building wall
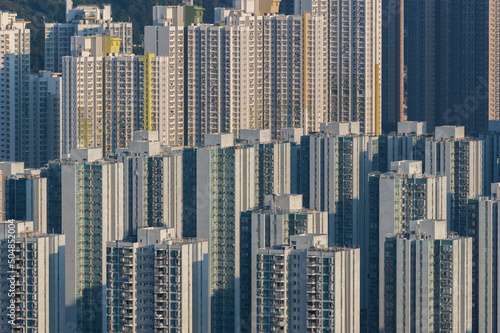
300,304
74,217
330,166
352,60
14,78
443,274
483,220
44,308
58,37
44,118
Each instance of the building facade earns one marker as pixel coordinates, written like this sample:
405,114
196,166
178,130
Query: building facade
164,47
483,228
2,196
333,177
26,198
494,57
44,141
162,281
491,155
14,79
443,88
426,280
225,186
108,95
306,287
101,95
272,162
396,198
92,215
459,158
256,72
86,20
153,183
393,66
354,60
37,272
405,144
273,224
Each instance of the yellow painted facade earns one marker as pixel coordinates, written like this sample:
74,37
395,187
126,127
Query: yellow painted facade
148,101
269,7
111,45
377,100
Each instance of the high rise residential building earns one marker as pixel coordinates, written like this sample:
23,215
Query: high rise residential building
91,215
396,198
446,56
85,20
491,155
466,86
272,224
494,59
272,158
36,271
166,40
163,94
280,217
225,186
14,86
210,6
160,182
393,72
2,195
483,227
204,82
157,283
420,63
404,195
153,184
286,78
177,16
245,99
32,132
189,188
256,72
26,197
306,287
165,48
294,135
354,56
6,170
107,96
426,280
459,158
52,171
403,145
314,79
333,177
121,114
229,180
43,143
84,92
257,7
181,291
287,7
130,281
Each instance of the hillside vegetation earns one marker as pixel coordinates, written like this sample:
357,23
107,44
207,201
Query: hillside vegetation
139,12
